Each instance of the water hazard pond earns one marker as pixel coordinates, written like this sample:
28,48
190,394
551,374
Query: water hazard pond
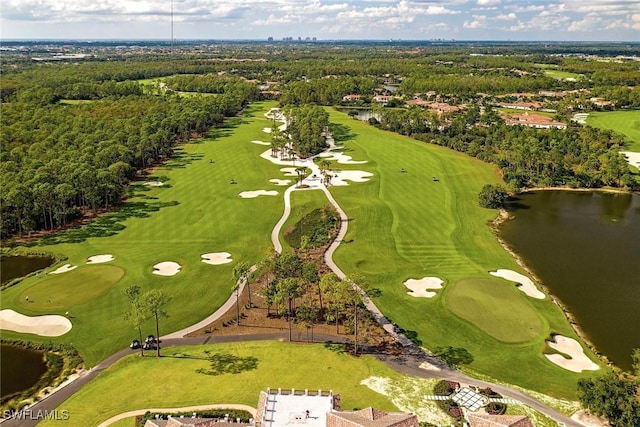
585,246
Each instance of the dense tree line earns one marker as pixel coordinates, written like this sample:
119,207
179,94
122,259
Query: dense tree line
576,157
59,159
307,126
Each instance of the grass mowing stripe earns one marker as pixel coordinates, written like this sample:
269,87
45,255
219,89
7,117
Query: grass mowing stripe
624,122
198,212
406,225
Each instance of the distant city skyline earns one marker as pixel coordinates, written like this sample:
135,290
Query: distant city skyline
517,20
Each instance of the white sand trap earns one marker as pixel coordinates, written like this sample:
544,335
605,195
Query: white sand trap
64,269
277,181
216,258
266,130
261,142
289,171
633,158
578,361
166,268
418,287
341,158
154,184
97,259
255,193
341,177
51,325
524,283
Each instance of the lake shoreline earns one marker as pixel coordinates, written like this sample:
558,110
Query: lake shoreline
495,226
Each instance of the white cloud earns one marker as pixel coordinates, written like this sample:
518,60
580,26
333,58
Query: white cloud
506,17
589,23
479,21
489,2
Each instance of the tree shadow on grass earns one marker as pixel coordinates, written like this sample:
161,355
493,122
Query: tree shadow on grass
225,363
453,356
106,225
180,160
341,132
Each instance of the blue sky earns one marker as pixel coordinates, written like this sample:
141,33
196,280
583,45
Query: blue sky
580,20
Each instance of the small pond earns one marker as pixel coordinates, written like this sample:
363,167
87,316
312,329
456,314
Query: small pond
14,266
20,368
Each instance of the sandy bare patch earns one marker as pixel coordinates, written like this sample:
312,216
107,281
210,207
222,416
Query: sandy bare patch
633,158
577,362
255,193
340,178
418,287
51,325
64,269
277,181
341,158
525,284
261,142
154,183
216,258
588,419
97,259
407,394
166,268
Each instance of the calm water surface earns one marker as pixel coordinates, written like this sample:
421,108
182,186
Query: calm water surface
20,368
586,248
12,267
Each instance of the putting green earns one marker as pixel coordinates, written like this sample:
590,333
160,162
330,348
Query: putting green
70,289
483,302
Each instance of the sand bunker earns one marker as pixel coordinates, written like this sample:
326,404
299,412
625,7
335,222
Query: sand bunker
577,362
289,171
261,142
216,258
277,181
64,269
97,259
524,283
267,130
50,325
341,177
154,184
256,193
167,268
633,158
341,158
418,287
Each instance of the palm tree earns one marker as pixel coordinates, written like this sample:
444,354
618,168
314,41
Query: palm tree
302,174
155,302
240,275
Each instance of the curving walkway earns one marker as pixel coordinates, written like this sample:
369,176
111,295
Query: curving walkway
413,362
137,412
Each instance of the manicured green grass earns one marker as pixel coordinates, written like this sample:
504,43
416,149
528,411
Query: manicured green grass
75,101
65,291
405,225
562,75
480,301
197,212
624,122
516,111
172,381
302,203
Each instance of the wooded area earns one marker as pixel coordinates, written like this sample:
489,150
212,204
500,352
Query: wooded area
74,134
